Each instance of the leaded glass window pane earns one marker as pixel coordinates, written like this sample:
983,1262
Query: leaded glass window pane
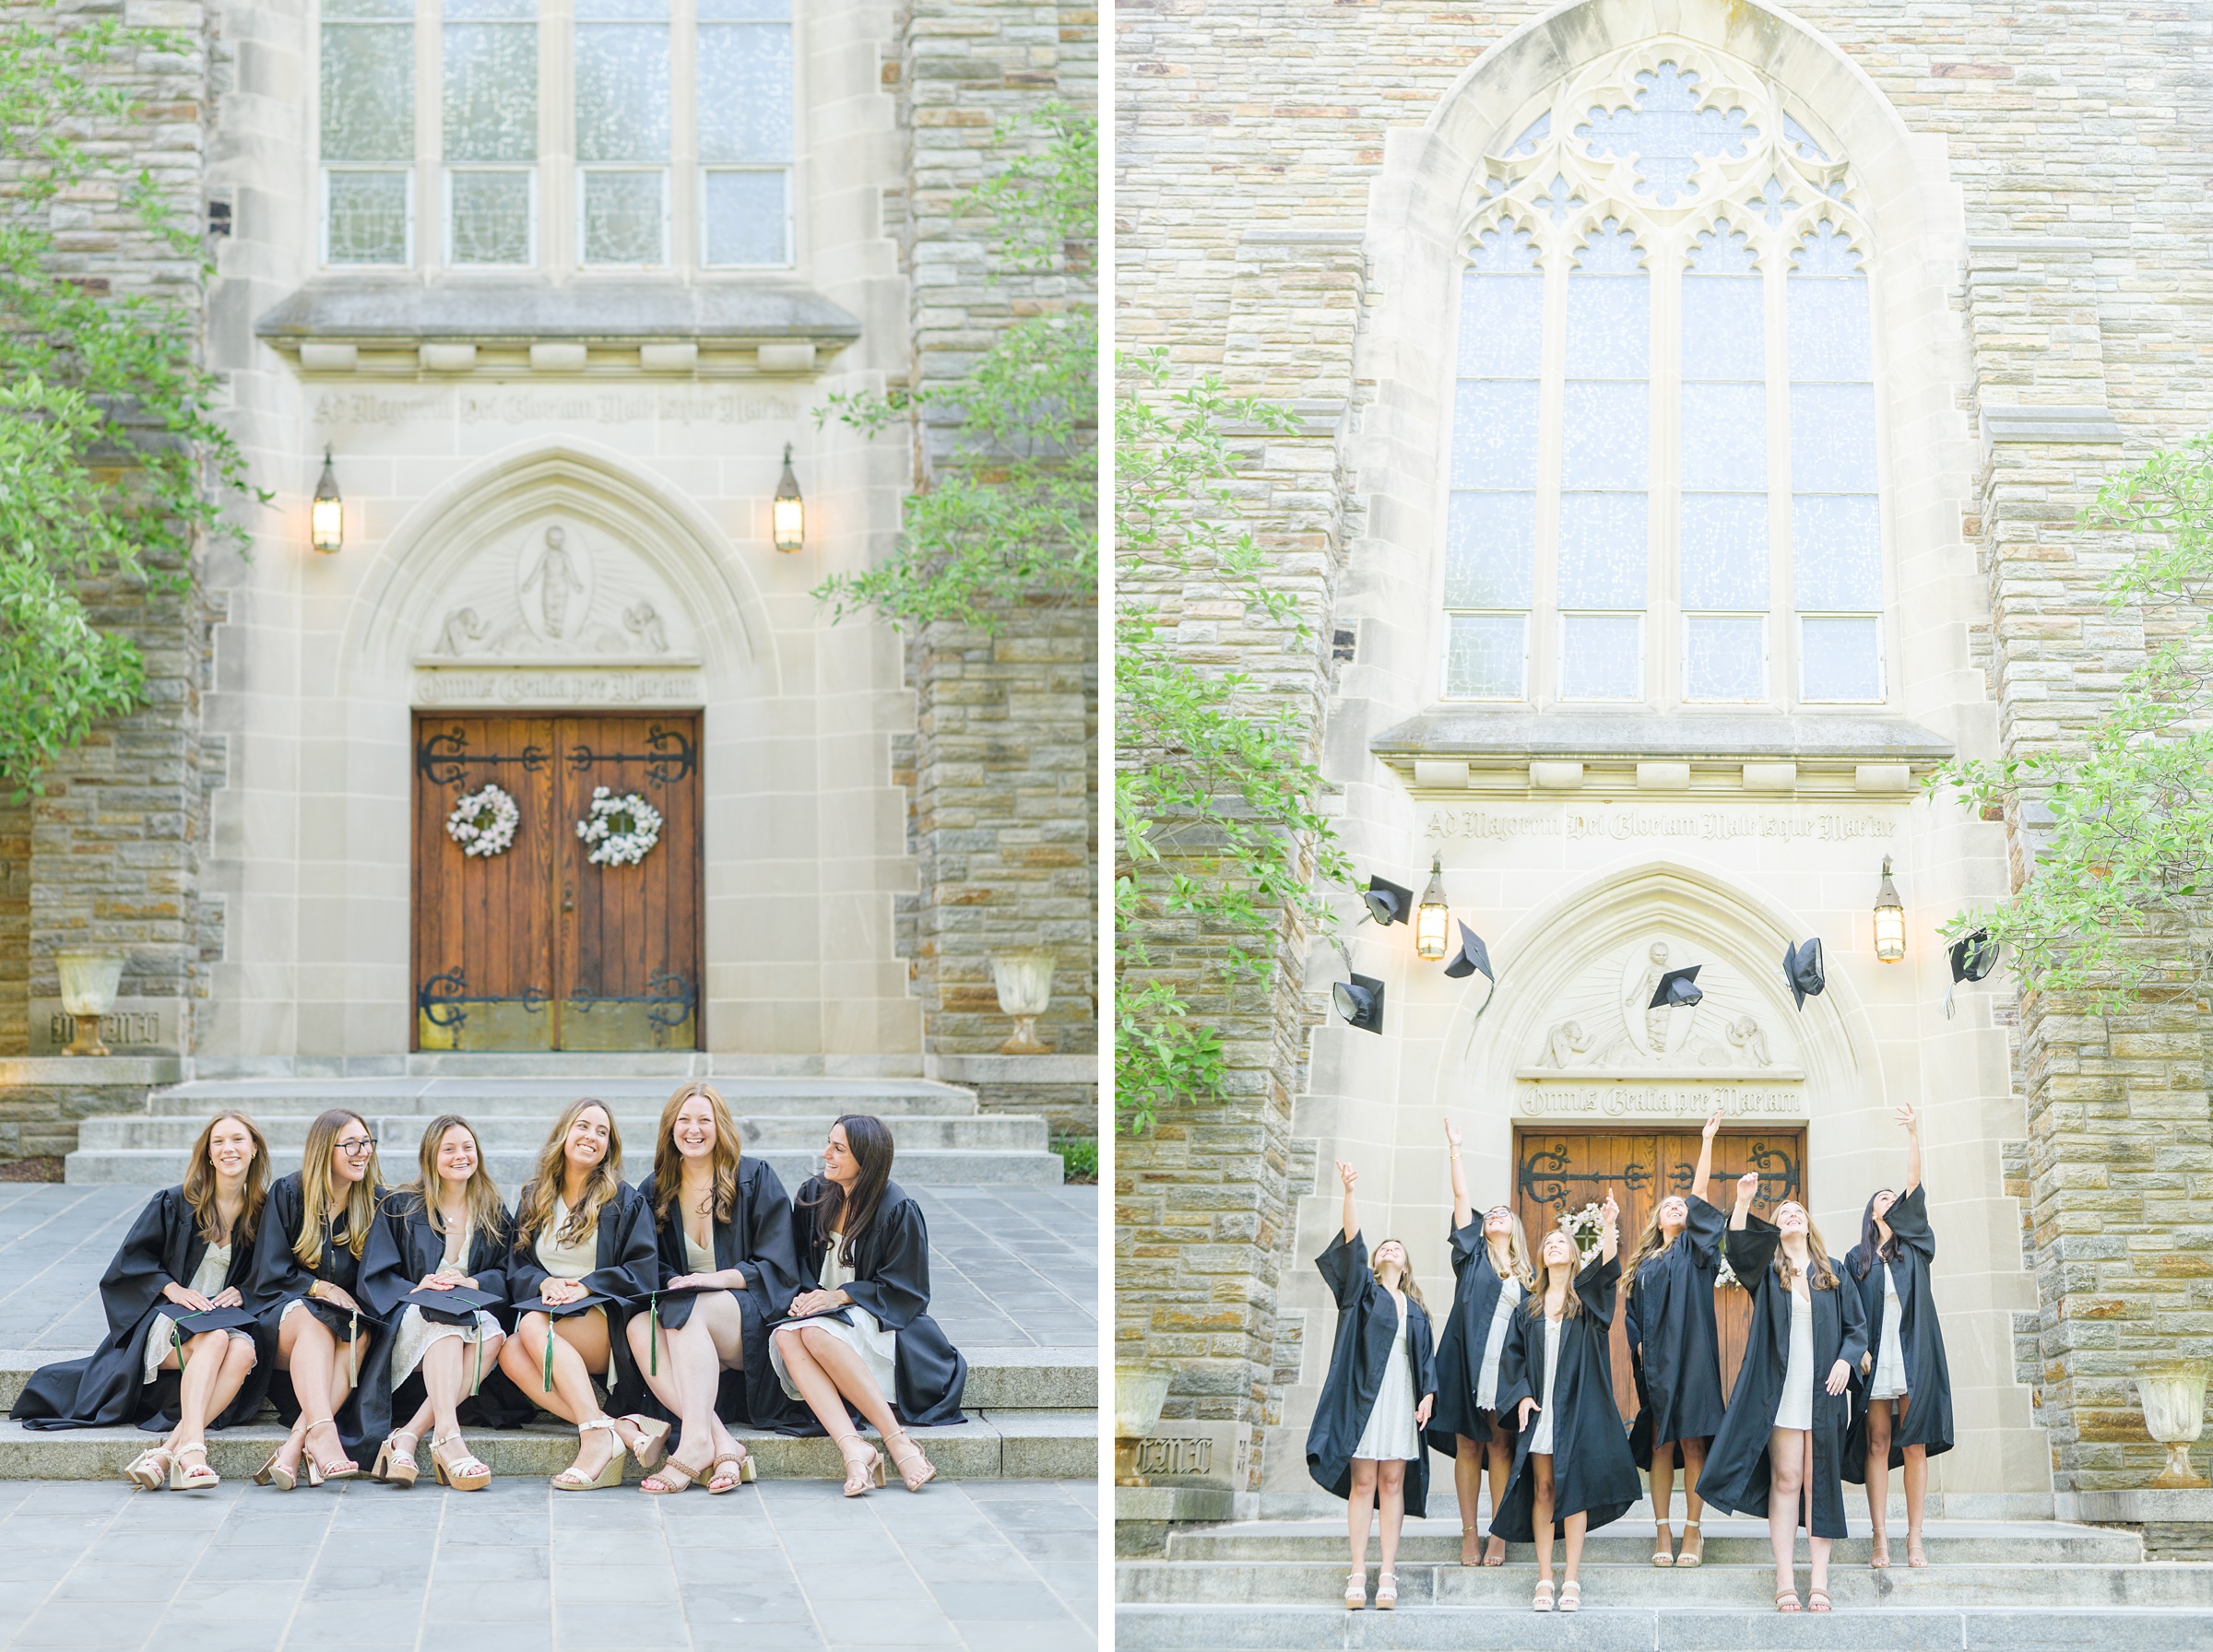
1667,132
1495,435
1724,658
1501,325
1837,545
1485,656
1725,437
1842,659
745,92
490,11
622,11
1602,550
1490,551
491,218
623,217
1606,435
1828,329
368,92
491,94
621,90
745,11
366,218
747,218
1832,438
1725,333
1609,326
1725,550
401,11
1602,656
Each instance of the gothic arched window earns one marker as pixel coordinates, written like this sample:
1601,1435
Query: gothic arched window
1662,481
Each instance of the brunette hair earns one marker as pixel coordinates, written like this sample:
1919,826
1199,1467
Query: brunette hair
200,1184
1533,1306
1820,1276
1861,1258
1414,1292
534,1211
1518,1266
486,1213
318,1191
669,1163
869,1140
1652,1242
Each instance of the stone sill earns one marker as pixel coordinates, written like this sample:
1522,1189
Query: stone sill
25,1071
1013,1069
2093,426
2134,1508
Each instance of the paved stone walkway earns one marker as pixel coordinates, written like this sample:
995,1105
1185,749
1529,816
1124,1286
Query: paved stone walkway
988,1566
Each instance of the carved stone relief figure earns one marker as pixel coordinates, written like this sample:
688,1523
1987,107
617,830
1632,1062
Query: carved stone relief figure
556,579
1564,1043
462,631
1746,1034
643,623
1657,1025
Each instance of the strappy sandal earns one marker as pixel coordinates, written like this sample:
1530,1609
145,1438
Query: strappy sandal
1387,1591
1691,1556
1542,1600
1494,1542
1878,1558
861,1473
1571,1596
572,1478
465,1473
913,1483
318,1470
1816,1601
733,1471
1786,1600
1915,1556
1469,1544
670,1478
1356,1591
274,1473
182,1478
150,1470
656,1448
1664,1544
394,1466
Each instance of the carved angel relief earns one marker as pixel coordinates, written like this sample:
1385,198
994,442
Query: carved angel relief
1603,1024
555,592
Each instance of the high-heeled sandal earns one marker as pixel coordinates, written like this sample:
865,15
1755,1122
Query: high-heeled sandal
1468,1542
396,1466
1387,1591
185,1479
913,1483
1663,1543
1878,1554
318,1469
737,1469
655,1449
1490,1543
1542,1600
572,1478
1356,1591
863,1473
1571,1596
465,1474
1689,1555
150,1470
274,1473
1915,1556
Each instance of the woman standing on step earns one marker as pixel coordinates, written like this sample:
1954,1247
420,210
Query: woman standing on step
1490,1273
584,1243
445,1229
1366,1442
1902,1411
1677,1352
191,1250
307,1264
861,1338
1571,1465
1781,1444
723,1223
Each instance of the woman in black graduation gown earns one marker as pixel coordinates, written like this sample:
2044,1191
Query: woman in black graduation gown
445,1229
307,1264
722,1226
1365,1444
862,1333
1902,1410
1677,1352
191,1249
1781,1445
1490,1275
582,1235
1571,1460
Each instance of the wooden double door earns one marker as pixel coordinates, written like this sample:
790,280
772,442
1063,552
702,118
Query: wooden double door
537,948
1558,1171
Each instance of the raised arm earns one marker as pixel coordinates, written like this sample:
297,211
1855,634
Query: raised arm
1747,1190
1461,1210
1609,1229
1352,1217
1913,1126
1702,1178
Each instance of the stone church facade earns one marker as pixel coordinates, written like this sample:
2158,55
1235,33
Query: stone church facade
563,288
1696,401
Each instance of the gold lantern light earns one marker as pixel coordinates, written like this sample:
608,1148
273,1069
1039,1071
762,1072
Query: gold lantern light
1889,920
327,516
789,510
1433,918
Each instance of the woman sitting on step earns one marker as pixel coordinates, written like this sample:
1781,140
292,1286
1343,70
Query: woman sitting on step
307,1264
862,1337
190,1251
1781,1445
1364,1444
723,1223
445,1229
583,1250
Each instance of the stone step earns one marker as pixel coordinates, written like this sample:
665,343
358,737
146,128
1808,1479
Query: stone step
157,1167
1002,1380
542,1096
398,1133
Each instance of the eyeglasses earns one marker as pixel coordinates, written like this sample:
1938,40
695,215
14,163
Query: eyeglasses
358,1146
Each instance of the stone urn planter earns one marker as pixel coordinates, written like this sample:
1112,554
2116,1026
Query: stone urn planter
1140,1390
1024,979
88,984
2173,1396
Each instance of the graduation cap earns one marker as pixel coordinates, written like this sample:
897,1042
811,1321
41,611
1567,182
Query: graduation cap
1677,989
1973,957
1802,969
214,1319
455,1305
560,1310
1360,1001
1388,903
1470,956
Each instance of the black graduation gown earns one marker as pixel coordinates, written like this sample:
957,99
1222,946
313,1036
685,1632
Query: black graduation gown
102,1389
1591,1472
402,1248
1674,1346
1736,1477
1460,1350
892,1281
280,1277
1928,1418
627,1270
758,1240
1367,1320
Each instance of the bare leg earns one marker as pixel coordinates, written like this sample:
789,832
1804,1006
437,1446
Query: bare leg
215,1369
686,1383
448,1365
1575,1525
579,1349
1917,1492
1786,1479
1818,1547
1359,1510
843,1368
1878,1478
1663,1497
1543,1486
1694,1464
1498,1461
321,1380
1390,1501
1467,1486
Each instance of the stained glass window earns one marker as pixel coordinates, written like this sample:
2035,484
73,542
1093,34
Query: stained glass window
368,131
1605,455
489,50
622,127
1836,523
745,130
1667,131
1722,526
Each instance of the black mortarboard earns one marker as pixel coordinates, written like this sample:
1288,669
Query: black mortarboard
1677,988
214,1319
1802,969
538,1305
1360,1001
457,1306
1470,957
1973,957
1388,903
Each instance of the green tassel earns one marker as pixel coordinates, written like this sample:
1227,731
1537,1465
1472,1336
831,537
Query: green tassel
353,1347
176,1340
476,1381
653,1316
549,1355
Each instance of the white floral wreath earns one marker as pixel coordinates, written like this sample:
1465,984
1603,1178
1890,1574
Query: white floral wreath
620,830
1585,1229
484,822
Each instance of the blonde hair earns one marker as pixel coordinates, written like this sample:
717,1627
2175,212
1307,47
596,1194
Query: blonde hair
318,1191
1413,1290
668,1162
1573,1304
1822,1276
1650,1242
1518,1266
480,1193
200,1182
535,1209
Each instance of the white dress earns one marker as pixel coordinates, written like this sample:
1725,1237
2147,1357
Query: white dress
416,1333
1795,1410
1486,1390
570,1261
1540,1442
208,1280
877,1347
1889,1364
1390,1432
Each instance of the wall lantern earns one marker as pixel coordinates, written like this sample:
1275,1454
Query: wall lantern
327,516
1889,920
1433,918
790,510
